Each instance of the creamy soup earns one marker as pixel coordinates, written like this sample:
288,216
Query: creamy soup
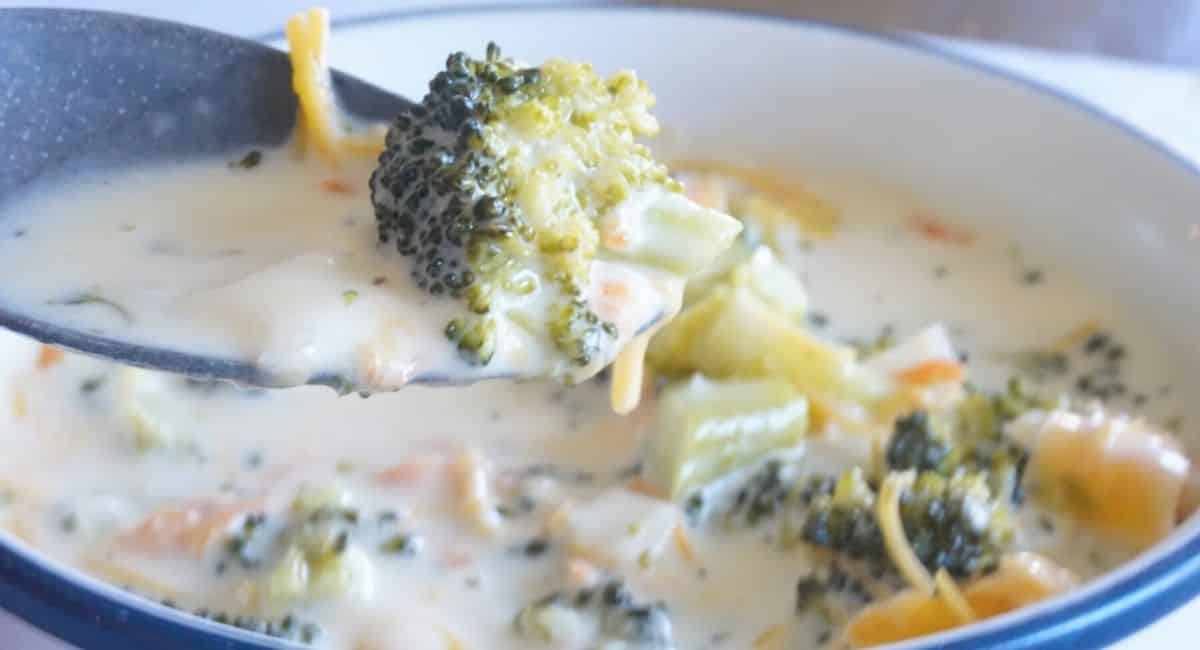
499,515
277,264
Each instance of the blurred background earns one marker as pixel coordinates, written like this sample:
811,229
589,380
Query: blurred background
1165,31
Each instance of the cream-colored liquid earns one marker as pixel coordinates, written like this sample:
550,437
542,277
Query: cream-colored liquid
277,265
72,451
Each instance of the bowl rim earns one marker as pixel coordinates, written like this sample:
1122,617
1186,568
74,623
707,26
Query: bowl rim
73,606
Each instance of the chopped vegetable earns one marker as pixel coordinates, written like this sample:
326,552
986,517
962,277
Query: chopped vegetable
1020,580
707,428
1113,472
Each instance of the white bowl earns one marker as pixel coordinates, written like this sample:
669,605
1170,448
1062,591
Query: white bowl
1060,176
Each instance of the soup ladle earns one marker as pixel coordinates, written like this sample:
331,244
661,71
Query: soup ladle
86,90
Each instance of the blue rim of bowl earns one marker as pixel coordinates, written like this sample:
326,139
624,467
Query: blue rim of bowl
92,614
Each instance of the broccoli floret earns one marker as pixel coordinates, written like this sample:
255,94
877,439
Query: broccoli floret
955,523
970,437
507,182
617,617
762,495
914,444
951,523
844,519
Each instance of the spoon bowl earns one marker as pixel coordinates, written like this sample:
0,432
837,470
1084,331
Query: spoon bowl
87,91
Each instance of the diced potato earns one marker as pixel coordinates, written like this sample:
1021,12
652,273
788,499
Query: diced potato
1111,471
773,282
469,471
155,417
707,428
619,529
667,231
346,574
1020,580
734,333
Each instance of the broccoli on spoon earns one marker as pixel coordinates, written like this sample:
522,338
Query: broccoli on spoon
523,194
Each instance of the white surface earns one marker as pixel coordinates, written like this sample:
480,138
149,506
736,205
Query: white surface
1162,102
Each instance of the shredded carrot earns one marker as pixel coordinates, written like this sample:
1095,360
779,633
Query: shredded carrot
191,526
684,544
338,186
1076,336
645,487
408,472
934,229
456,558
708,191
49,356
934,371
614,238
580,573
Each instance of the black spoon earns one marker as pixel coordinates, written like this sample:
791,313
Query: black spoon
77,92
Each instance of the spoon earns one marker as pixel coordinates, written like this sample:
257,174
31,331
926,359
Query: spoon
77,92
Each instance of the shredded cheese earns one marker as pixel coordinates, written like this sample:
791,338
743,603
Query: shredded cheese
628,370
683,544
953,597
887,511
470,473
308,42
770,637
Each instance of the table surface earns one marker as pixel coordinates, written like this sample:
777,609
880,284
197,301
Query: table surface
1162,100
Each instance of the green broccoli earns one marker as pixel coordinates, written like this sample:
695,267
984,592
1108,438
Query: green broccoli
951,523
618,617
507,183
915,445
970,436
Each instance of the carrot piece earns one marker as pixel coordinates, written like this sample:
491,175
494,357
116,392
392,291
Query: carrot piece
407,472
933,228
49,356
684,545
338,186
581,573
934,371
191,526
645,487
456,558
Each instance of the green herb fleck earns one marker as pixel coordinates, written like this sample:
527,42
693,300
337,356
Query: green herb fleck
1032,277
401,545
248,161
91,385
349,296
